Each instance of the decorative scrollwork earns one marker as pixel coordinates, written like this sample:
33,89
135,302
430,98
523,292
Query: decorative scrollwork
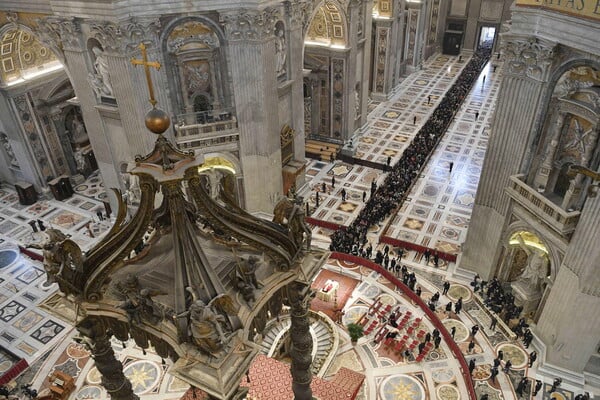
529,56
125,36
250,24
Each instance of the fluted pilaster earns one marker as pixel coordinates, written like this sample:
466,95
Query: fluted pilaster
252,51
570,321
519,103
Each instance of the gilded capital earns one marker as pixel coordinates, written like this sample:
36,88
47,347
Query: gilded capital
530,56
250,24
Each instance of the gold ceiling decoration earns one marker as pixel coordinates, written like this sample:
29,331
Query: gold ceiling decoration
382,8
328,26
530,239
22,56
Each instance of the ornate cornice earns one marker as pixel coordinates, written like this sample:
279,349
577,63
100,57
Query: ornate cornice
529,56
125,36
250,24
60,33
298,12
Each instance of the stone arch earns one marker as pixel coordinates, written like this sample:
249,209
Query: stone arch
324,55
520,226
568,130
24,54
196,64
546,102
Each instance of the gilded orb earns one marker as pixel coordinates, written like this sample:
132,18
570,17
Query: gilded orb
157,121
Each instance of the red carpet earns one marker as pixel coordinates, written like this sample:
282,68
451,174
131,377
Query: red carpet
345,289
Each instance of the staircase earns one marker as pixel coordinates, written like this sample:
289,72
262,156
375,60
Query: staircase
321,330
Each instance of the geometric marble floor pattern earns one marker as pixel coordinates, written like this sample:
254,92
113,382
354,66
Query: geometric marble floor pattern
437,211
438,376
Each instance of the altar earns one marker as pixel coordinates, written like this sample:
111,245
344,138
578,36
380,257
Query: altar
329,291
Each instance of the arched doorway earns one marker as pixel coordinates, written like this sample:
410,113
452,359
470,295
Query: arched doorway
325,65
529,270
32,76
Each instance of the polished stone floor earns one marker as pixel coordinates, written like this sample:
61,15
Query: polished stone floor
436,215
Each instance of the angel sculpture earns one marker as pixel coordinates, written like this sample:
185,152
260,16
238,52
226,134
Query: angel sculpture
63,261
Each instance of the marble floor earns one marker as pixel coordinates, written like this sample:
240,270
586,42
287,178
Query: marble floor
435,215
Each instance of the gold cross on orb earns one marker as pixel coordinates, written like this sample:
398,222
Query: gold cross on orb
147,64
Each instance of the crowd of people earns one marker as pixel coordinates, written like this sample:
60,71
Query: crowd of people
501,302
385,198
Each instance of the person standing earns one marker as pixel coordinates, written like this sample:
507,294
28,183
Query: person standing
316,200
437,341
436,259
500,355
471,346
429,99
493,323
532,358
418,291
494,374
449,307
474,330
538,386
333,181
33,226
389,162
471,366
555,385
507,366
343,195
450,166
415,120
453,331
364,196
446,288
476,115
323,187
427,254
521,386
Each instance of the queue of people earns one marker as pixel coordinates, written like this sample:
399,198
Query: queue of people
389,195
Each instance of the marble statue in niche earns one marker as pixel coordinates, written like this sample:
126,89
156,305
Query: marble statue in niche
280,49
535,271
12,159
100,80
79,136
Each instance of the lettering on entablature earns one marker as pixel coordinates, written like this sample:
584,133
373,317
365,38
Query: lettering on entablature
584,8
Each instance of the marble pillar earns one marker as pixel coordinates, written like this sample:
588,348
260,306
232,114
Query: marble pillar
97,340
250,37
299,296
296,12
519,102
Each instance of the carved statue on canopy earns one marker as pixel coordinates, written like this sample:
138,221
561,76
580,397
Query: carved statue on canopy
63,259
293,214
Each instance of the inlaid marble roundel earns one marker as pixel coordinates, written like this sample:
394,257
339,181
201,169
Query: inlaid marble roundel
402,387
143,375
